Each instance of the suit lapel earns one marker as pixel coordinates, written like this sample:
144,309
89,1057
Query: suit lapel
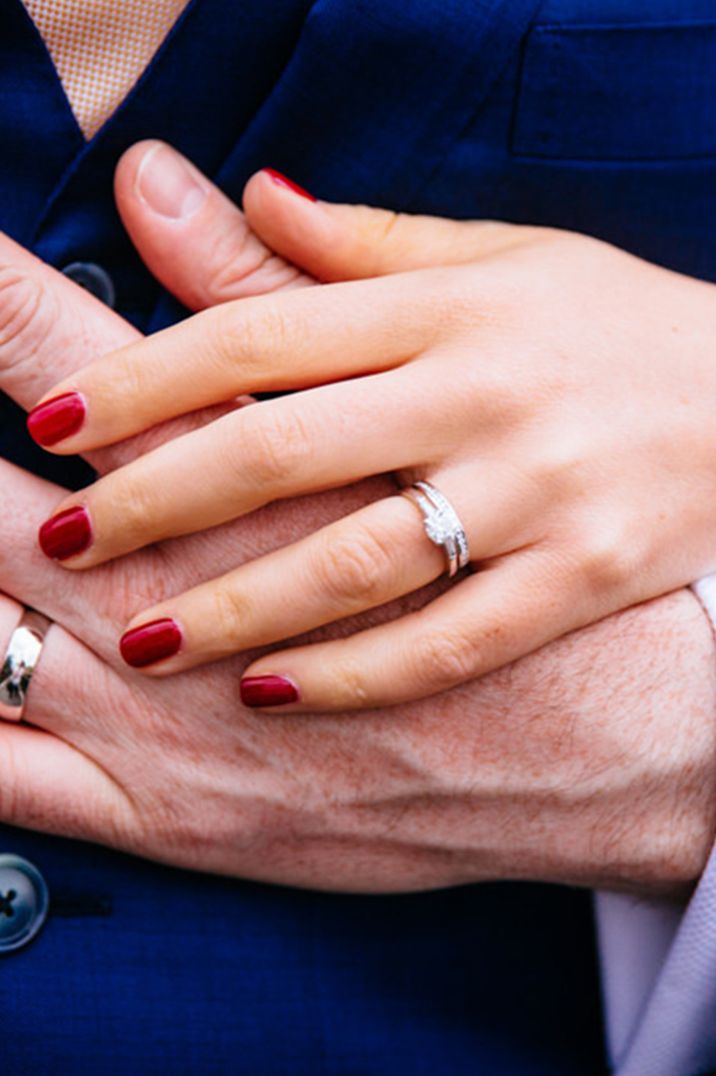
376,92
359,99
38,132
200,92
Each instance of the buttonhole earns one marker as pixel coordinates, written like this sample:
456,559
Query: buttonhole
71,905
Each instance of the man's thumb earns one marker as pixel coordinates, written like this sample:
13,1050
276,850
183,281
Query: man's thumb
193,239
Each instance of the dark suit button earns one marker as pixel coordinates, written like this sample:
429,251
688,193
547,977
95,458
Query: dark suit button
24,901
94,279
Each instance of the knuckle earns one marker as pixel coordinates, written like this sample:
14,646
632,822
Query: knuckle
504,403
125,379
230,617
564,461
371,242
471,299
281,448
133,508
441,661
271,332
224,340
354,570
348,684
608,560
388,230
244,267
250,333
27,314
229,260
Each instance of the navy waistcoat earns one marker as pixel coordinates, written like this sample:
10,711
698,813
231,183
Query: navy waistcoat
596,115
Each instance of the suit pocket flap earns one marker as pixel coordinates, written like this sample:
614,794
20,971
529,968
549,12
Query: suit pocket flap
621,92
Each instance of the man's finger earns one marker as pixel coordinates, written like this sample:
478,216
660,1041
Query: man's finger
49,326
47,785
45,782
191,236
81,605
347,242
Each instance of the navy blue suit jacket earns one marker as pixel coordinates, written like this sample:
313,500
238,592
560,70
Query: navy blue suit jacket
595,115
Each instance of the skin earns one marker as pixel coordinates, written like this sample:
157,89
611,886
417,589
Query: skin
590,761
558,391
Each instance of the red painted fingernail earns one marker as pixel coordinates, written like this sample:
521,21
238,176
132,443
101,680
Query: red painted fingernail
66,534
151,642
267,691
56,419
283,181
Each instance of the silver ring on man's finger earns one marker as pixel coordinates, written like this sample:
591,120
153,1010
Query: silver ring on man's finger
20,661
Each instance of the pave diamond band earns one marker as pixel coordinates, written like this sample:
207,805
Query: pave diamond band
442,524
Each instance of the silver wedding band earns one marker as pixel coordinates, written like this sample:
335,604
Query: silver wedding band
20,661
442,524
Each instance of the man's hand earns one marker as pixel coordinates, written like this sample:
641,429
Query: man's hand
591,761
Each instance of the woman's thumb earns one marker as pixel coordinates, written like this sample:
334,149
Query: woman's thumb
345,242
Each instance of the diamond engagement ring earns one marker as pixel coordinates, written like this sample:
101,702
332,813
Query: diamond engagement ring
21,657
442,524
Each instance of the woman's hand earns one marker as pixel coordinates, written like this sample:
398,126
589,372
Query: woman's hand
591,762
558,391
